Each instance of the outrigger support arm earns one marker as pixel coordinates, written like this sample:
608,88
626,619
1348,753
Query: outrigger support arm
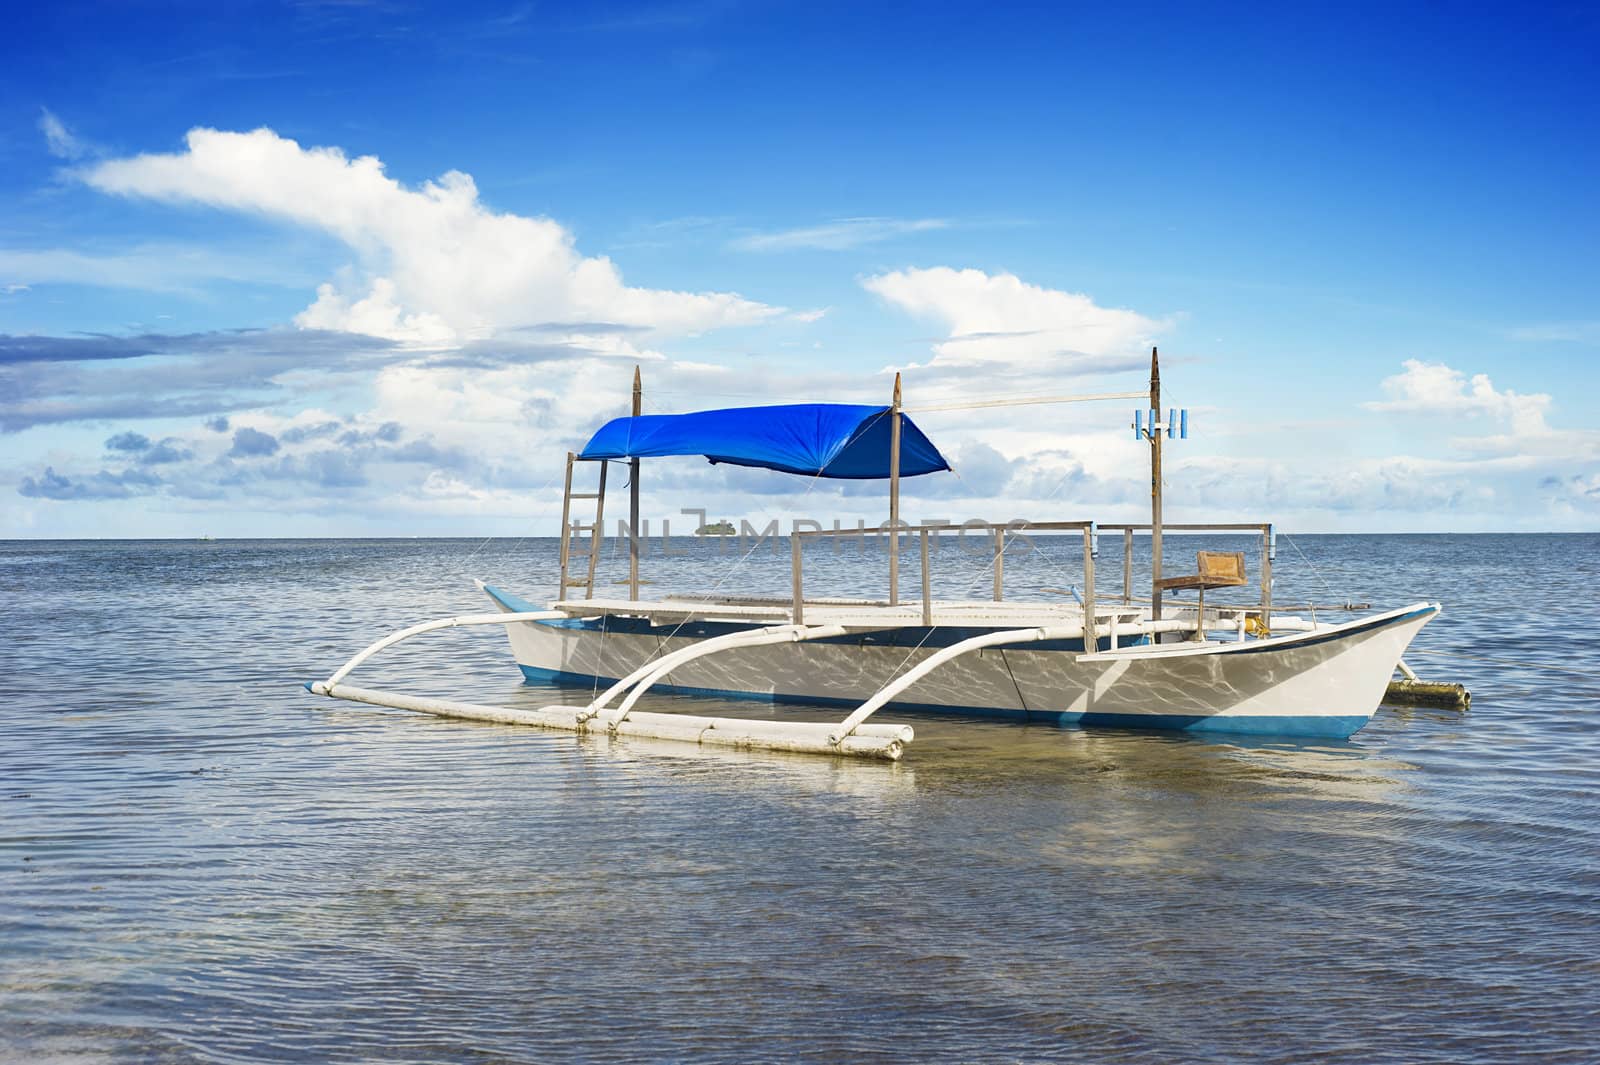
429,626
872,741
647,675
939,658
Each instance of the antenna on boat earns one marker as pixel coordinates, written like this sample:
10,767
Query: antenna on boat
633,498
894,495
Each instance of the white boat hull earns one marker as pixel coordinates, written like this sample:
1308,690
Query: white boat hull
1326,683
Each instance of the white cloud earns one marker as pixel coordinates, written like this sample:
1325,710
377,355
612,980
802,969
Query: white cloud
440,265
1434,388
178,268
840,234
378,313
58,138
1000,322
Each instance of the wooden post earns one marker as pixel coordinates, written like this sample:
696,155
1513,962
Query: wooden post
1155,488
1091,642
999,563
1266,580
927,584
894,496
633,498
1127,565
796,544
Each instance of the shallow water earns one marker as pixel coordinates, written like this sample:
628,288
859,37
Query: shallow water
201,862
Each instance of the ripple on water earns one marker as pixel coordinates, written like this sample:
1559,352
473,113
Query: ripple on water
198,861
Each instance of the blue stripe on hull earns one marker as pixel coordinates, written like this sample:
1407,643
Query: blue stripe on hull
1330,726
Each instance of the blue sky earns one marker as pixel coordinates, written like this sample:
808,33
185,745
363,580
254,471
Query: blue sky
239,293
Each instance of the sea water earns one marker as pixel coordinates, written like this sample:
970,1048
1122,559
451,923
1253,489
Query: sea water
199,861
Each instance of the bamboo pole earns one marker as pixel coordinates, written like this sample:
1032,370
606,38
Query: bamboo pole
807,737
633,498
894,495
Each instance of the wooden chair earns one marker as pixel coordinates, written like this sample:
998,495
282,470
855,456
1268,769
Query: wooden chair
1218,569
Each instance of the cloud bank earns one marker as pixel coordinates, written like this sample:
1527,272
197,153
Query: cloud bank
435,376
437,265
1437,390
998,322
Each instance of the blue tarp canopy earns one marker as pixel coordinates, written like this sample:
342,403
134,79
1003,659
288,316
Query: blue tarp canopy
818,439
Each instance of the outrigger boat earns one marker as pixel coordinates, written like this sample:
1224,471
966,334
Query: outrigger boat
1093,660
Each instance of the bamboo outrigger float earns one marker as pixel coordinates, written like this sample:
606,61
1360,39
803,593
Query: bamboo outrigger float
1117,661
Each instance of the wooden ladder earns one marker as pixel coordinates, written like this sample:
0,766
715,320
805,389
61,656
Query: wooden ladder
568,527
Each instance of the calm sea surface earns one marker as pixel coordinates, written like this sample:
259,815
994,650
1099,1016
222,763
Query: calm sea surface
201,862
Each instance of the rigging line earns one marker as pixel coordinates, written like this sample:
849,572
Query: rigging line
1004,661
1521,663
741,562
981,572
1021,401
984,569
706,598
463,563
929,630
662,640
1318,573
968,590
1009,532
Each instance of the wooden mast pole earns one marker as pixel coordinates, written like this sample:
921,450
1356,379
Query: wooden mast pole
1155,488
894,496
633,498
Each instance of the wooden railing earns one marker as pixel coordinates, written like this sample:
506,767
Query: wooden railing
999,532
